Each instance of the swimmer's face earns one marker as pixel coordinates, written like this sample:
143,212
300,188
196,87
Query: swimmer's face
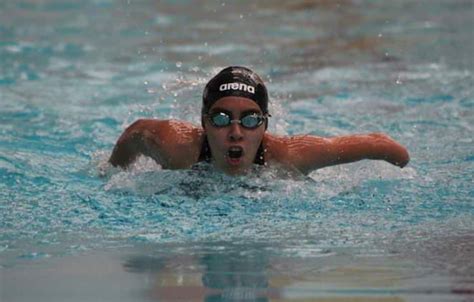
233,147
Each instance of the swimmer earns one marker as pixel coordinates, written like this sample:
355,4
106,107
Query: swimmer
233,136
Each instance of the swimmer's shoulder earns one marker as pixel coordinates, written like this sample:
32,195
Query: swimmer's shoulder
294,152
179,141
276,148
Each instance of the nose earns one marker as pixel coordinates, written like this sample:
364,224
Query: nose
235,132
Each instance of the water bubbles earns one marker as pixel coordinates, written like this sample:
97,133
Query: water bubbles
179,64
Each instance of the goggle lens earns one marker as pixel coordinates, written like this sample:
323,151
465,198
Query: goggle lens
220,119
249,121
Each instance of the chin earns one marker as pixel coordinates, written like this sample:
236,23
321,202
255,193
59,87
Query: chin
238,166
236,170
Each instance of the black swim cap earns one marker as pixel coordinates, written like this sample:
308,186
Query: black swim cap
235,81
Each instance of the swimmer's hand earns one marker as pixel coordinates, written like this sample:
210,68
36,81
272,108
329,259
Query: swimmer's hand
386,148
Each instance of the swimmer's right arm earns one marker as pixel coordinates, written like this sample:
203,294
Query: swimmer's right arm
170,143
135,141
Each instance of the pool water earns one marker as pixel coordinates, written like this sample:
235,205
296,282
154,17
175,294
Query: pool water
74,74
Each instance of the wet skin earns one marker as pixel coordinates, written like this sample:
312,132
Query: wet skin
177,144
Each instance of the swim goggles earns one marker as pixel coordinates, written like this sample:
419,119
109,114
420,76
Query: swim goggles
249,120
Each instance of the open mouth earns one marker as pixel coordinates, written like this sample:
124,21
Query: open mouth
235,152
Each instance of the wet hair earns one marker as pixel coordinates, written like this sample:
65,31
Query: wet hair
235,81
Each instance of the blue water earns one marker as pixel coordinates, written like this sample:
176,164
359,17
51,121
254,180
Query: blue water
73,75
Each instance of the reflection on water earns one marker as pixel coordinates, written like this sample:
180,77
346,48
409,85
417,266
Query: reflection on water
258,272
218,275
234,272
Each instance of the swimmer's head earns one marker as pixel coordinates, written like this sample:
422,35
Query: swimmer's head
235,81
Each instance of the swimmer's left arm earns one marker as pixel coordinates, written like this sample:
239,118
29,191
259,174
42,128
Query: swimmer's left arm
308,153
